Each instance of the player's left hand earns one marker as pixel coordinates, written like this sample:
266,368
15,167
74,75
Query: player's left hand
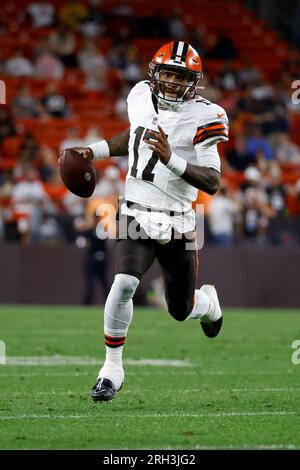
159,144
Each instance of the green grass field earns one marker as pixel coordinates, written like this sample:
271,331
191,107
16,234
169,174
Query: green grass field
238,391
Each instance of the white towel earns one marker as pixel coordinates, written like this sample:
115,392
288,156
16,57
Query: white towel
157,225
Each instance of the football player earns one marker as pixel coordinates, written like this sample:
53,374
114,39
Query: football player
172,147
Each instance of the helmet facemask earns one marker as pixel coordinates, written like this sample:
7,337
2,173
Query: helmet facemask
170,93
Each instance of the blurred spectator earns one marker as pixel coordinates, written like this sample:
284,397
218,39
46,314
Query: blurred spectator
195,38
228,76
47,162
132,72
93,63
28,149
208,90
110,184
293,199
8,224
95,261
291,65
224,48
116,56
48,65
72,13
248,75
69,205
19,65
73,205
42,13
63,44
3,29
93,24
54,103
154,26
238,157
24,105
7,125
256,143
253,220
286,151
28,200
222,216
177,29
276,192
93,135
269,110
256,211
121,103
123,8
2,64
72,139
252,178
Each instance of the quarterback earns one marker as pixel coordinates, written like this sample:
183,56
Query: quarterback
172,147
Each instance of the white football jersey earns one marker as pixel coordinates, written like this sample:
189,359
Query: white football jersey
193,132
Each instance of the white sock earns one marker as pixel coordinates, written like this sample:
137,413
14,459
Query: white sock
118,314
202,307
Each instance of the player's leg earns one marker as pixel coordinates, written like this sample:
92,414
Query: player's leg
134,257
180,266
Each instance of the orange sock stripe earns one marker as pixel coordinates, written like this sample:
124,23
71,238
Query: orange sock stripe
114,343
114,338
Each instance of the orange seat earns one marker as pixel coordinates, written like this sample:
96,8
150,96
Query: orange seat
10,146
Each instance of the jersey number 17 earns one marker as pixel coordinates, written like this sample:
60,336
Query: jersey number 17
147,173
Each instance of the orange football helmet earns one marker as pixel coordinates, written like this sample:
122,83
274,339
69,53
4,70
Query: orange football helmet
182,69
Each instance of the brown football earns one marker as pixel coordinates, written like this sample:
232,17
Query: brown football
77,173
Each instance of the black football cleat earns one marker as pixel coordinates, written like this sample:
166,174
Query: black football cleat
103,390
211,330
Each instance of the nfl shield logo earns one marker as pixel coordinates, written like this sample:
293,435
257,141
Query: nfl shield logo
155,120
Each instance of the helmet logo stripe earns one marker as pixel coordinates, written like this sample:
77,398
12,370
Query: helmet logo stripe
174,50
184,52
180,49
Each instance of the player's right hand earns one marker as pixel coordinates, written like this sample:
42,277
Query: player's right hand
85,152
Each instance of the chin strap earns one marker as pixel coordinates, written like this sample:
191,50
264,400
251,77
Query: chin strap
175,106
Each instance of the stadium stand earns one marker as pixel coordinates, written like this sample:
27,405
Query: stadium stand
73,69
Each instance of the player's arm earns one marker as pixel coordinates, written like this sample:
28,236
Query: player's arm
201,177
117,146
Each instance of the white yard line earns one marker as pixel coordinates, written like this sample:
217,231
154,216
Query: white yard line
138,390
58,360
245,390
152,415
143,372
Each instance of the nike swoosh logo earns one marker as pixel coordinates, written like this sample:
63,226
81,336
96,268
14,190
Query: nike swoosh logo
220,115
